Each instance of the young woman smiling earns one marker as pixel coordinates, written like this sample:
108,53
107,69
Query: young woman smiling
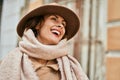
42,52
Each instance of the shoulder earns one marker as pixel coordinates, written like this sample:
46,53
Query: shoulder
15,50
13,53
74,60
71,57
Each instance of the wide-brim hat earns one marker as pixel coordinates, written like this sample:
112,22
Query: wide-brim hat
70,17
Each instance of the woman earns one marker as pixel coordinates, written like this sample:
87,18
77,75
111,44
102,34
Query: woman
42,53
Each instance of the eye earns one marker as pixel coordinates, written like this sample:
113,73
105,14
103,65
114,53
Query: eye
54,18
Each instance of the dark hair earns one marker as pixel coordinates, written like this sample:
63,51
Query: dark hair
33,22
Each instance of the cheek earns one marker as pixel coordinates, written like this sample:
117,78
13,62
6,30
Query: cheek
44,31
64,32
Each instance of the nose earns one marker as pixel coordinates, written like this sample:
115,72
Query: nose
60,25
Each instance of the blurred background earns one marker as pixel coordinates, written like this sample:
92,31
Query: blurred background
97,44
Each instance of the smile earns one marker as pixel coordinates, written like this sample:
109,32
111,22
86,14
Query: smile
56,32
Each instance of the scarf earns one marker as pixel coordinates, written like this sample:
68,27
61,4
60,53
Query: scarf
17,66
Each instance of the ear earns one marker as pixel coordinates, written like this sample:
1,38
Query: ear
39,25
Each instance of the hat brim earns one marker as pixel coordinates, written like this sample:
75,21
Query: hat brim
70,17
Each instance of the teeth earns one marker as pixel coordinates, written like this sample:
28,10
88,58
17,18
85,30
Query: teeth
56,32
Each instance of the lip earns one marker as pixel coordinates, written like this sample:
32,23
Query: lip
58,30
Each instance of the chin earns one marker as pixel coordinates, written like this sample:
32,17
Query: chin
54,42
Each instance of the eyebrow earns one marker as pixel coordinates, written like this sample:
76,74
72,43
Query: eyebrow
57,18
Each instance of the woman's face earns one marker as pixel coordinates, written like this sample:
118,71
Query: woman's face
51,30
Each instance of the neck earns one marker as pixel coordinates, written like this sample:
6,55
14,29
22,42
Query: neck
46,42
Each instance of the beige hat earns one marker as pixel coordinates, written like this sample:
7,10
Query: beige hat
70,17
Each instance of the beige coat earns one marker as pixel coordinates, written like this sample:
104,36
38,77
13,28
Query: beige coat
46,70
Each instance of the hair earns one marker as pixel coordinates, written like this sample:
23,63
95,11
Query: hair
33,22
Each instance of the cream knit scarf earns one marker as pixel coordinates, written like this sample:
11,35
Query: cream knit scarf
17,66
